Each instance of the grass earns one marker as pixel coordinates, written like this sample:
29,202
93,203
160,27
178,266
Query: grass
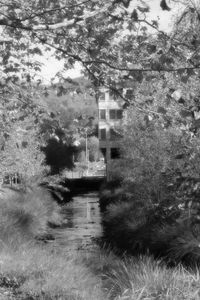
47,273
43,273
25,215
30,269
144,278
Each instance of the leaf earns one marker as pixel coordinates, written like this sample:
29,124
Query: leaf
180,156
156,66
190,72
143,28
185,113
176,95
134,15
181,101
137,75
184,78
155,23
28,78
196,115
24,144
161,110
181,71
164,59
196,124
143,9
164,5
151,48
126,3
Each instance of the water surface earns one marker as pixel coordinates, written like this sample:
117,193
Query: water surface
83,222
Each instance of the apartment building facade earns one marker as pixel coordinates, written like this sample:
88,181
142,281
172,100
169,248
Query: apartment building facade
110,110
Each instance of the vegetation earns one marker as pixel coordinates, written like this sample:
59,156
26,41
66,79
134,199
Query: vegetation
45,274
156,203
26,214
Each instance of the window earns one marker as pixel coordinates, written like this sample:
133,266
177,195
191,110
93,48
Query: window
112,114
119,114
112,96
113,134
102,96
114,153
103,134
116,114
129,94
103,151
102,114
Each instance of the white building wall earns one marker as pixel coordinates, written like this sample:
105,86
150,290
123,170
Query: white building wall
108,123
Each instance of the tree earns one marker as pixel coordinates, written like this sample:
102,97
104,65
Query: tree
21,154
58,155
87,32
90,32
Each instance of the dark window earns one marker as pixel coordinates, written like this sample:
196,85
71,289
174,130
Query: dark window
103,134
116,114
102,114
119,114
113,134
112,96
102,96
112,114
114,153
103,151
129,94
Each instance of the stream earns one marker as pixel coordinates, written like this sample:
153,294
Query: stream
83,223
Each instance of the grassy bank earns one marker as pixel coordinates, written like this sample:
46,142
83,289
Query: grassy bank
26,214
167,230
144,278
36,273
31,269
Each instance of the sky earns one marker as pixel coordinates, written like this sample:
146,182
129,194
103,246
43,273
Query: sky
51,66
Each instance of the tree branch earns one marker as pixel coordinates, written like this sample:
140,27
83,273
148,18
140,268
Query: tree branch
35,15
66,23
117,68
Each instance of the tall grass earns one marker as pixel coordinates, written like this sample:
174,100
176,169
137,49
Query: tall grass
47,273
25,214
144,278
30,270
138,230
44,273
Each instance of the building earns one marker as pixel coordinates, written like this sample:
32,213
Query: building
110,110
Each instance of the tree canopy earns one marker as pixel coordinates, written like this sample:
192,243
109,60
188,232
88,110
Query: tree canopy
109,39
117,44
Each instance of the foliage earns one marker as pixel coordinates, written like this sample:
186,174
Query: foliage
21,153
38,272
143,277
58,155
92,148
25,215
89,32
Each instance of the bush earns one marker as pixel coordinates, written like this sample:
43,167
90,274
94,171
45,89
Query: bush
25,214
157,202
165,233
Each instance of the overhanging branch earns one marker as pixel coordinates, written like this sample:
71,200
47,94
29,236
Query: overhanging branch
66,23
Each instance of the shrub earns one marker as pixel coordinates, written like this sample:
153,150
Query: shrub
169,234
25,214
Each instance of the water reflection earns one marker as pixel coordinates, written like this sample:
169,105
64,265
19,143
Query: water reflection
83,222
